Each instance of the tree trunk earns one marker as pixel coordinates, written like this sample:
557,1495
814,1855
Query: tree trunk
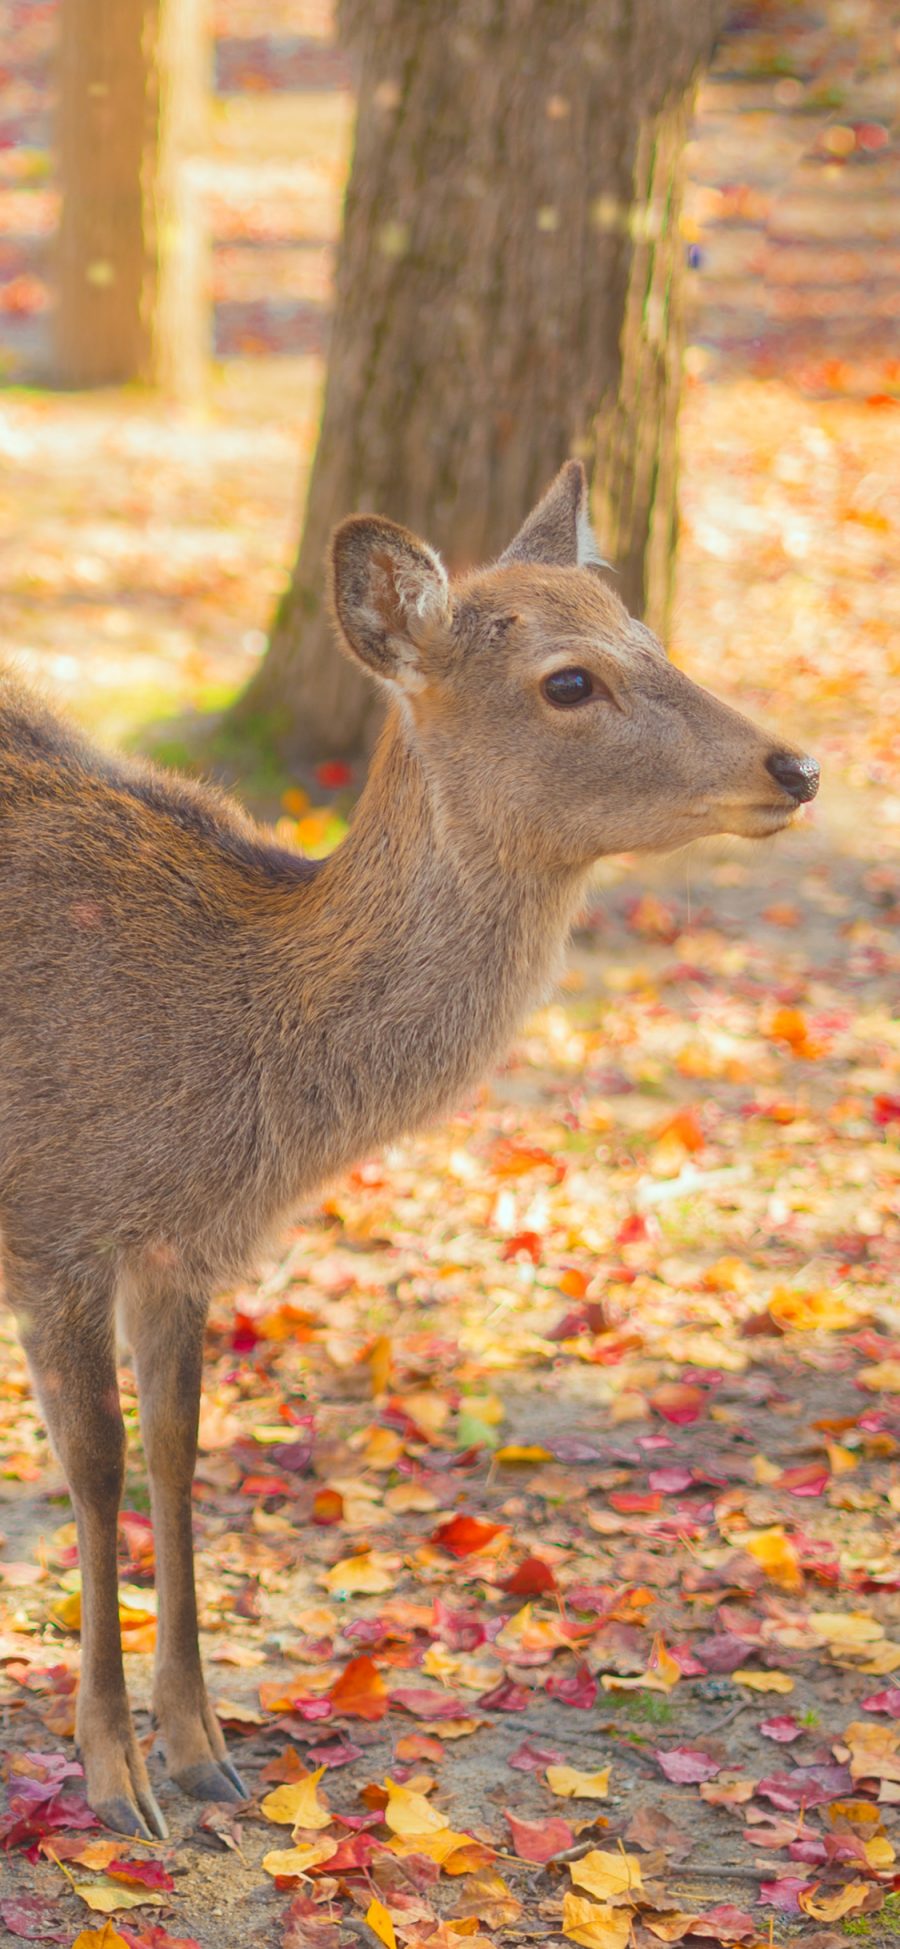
132,81
508,295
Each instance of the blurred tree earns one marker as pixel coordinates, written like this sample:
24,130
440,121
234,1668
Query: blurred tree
133,85
508,293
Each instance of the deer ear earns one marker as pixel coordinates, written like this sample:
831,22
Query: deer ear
390,596
558,531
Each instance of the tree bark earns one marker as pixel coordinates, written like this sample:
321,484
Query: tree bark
507,295
132,84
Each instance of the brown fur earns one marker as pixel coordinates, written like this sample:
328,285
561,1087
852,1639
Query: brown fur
197,1027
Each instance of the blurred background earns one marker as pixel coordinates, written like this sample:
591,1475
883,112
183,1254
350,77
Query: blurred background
465,239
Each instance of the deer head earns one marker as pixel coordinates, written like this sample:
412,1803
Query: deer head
547,718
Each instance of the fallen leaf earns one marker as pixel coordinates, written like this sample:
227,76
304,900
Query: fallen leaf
539,1840
409,1813
464,1536
830,1908
764,1681
609,1876
369,1575
380,1923
596,1927
360,1691
105,1898
285,1863
568,1783
687,1765
298,1805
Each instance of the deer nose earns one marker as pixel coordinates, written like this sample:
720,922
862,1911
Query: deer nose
798,776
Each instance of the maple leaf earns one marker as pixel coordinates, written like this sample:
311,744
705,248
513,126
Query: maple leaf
465,1536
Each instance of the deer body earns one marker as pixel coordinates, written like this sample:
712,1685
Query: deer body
197,1028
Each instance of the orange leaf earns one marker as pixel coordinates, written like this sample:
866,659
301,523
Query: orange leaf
360,1692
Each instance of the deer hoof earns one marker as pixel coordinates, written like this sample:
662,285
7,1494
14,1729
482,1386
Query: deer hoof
206,1780
124,1817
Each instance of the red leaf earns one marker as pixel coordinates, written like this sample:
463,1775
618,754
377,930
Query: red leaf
539,1840
580,1691
725,1923
678,1402
463,1535
333,773
783,1894
631,1502
507,1697
686,1765
531,1579
141,1874
532,1758
526,1243
36,1917
807,1479
887,1701
425,1704
354,1853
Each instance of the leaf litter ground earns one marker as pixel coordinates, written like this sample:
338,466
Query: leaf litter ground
547,1502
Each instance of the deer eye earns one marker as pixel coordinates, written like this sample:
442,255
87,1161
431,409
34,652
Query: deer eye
567,687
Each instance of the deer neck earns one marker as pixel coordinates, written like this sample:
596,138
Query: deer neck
415,961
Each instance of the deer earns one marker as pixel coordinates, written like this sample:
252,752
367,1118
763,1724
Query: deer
199,1027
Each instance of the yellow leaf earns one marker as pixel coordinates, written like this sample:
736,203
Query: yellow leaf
437,1847
298,1805
381,1363
883,1378
773,1550
137,1618
410,1813
382,1450
832,1907
671,1927
515,1452
764,1681
299,1860
367,1574
595,1927
106,1938
879,1662
873,1751
428,1410
803,1312
106,1896
568,1783
846,1627
663,1665
879,1853
612,1877
380,1921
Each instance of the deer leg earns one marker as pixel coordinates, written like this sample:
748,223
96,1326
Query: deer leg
71,1352
166,1339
